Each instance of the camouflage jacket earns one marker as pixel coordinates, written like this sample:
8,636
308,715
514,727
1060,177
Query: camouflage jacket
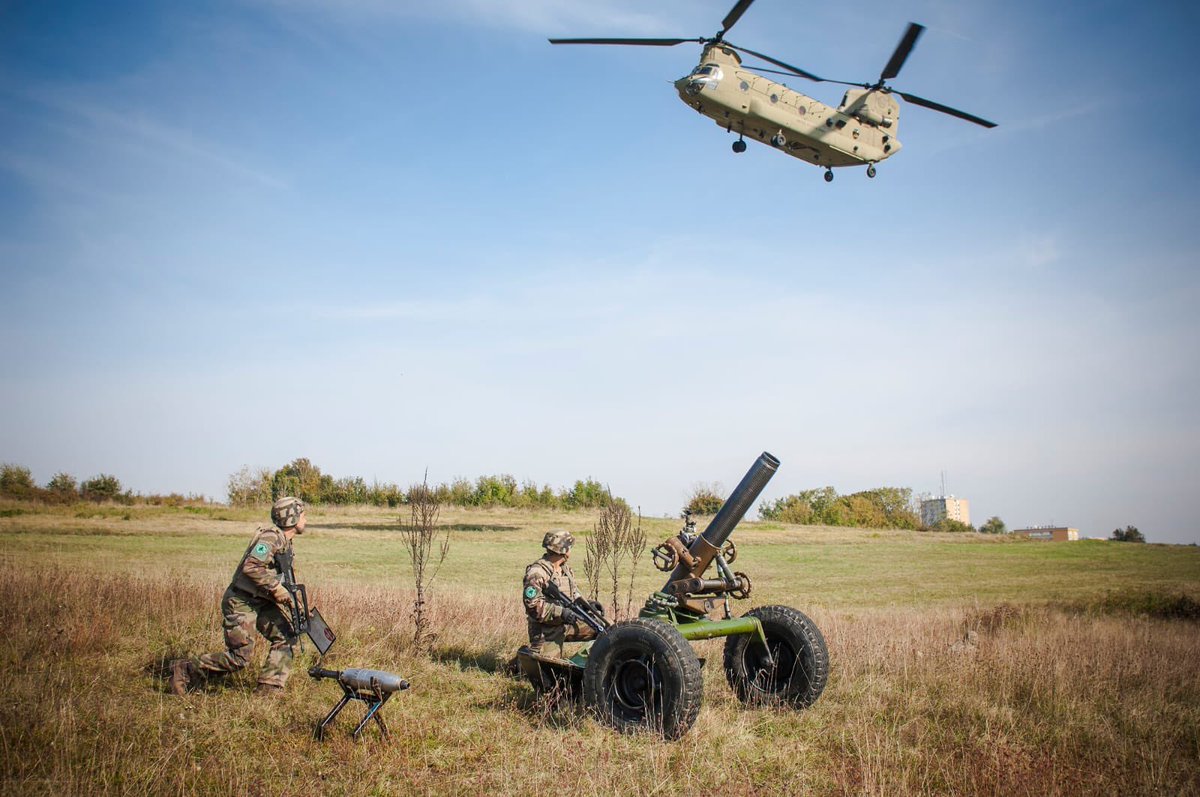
537,576
259,572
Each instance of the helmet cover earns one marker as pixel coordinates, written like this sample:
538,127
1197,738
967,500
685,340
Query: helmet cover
285,513
558,541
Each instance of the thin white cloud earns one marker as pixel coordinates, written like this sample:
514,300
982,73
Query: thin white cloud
138,129
1056,116
600,17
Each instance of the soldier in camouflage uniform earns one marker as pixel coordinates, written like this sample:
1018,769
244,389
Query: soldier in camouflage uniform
549,622
255,598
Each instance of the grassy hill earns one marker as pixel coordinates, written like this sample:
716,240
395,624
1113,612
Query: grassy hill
960,664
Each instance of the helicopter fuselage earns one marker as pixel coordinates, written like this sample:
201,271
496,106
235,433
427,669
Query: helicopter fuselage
862,131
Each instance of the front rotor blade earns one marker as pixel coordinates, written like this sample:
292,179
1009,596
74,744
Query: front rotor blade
937,106
642,42
902,50
792,69
793,74
734,15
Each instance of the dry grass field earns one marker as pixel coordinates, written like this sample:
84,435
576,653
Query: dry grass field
960,665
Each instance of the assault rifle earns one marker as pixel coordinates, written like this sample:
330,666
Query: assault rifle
303,619
585,610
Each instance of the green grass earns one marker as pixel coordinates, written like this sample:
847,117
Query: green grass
960,665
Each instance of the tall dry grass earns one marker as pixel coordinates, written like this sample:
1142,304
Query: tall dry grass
992,700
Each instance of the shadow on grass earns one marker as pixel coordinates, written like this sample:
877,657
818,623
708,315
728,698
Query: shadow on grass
557,709
488,661
400,526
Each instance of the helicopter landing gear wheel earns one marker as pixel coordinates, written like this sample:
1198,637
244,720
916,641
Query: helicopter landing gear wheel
739,146
870,170
778,140
829,175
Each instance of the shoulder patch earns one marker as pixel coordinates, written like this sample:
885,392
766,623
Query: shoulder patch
531,593
261,552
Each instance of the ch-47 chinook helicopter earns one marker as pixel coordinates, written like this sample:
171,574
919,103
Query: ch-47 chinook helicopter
861,131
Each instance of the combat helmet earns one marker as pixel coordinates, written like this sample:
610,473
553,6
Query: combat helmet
285,513
558,541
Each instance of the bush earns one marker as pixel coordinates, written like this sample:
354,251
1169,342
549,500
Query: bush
385,495
993,525
63,487
250,488
880,508
706,499
301,479
1148,603
1128,534
791,509
950,524
101,488
587,494
495,491
17,482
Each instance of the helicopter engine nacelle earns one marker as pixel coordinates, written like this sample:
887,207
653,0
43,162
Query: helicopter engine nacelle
871,106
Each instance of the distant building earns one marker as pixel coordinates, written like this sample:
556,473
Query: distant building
1049,533
934,510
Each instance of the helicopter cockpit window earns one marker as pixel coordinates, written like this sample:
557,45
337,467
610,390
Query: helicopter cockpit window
705,75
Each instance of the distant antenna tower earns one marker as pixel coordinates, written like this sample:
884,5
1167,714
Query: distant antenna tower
943,484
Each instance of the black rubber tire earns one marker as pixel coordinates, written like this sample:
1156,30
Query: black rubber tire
801,660
643,675
739,146
829,177
871,170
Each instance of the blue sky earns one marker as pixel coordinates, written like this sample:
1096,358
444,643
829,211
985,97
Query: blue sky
234,233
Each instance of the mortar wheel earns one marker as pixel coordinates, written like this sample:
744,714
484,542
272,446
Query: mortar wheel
799,665
643,674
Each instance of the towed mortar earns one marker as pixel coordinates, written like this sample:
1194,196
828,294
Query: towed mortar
642,673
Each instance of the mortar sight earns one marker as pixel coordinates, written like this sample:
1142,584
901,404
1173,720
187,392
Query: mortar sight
689,572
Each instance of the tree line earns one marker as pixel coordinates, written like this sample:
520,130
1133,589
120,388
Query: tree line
16,482
880,508
303,479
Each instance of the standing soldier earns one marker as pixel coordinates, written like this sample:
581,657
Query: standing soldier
549,622
255,598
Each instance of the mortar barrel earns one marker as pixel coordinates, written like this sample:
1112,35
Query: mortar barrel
708,544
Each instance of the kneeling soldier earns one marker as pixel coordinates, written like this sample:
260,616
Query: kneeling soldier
255,598
549,622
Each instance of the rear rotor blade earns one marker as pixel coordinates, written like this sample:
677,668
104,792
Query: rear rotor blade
642,42
937,106
792,69
734,15
902,50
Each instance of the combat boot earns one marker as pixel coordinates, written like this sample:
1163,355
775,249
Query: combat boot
268,690
183,675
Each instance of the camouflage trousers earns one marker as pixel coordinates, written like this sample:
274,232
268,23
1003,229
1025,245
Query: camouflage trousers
540,634
242,614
